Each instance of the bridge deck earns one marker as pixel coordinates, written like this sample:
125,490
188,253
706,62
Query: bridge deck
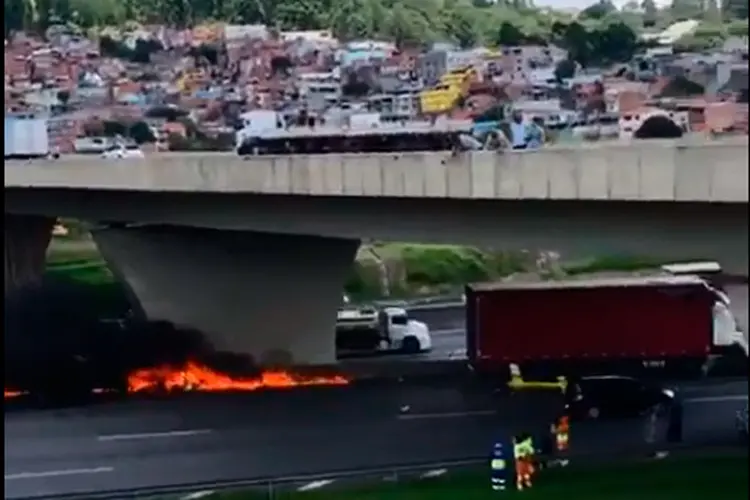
639,171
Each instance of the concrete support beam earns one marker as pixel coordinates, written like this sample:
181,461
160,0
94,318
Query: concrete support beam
26,241
270,296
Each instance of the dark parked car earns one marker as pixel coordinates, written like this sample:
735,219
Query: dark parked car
614,396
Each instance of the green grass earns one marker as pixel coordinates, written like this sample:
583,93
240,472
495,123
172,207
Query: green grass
414,269
619,263
79,261
94,272
64,249
685,479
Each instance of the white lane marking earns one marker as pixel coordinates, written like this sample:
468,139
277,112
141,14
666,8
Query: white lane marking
427,416
315,485
447,332
154,435
711,399
457,354
197,495
57,473
433,473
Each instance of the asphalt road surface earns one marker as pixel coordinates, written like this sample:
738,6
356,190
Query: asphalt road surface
201,438
447,330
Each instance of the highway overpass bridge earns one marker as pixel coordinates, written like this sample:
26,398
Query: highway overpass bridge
254,251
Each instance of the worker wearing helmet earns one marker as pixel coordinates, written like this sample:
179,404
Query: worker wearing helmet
499,467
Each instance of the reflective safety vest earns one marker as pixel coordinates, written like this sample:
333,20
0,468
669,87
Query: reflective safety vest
523,448
563,424
528,445
561,434
498,464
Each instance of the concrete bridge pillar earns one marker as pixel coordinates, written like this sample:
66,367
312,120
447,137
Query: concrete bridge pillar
26,241
267,295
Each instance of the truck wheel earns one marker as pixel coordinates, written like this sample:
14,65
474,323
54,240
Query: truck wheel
410,345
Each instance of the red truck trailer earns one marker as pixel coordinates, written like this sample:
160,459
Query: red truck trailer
659,324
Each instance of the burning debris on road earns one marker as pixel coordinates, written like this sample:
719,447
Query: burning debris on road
194,376
57,349
197,377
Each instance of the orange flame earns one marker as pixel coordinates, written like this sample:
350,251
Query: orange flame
194,376
197,377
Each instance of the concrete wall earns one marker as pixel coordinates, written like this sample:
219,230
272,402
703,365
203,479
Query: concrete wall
641,170
25,245
273,297
673,230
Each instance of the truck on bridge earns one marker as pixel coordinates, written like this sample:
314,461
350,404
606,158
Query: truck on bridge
661,326
265,132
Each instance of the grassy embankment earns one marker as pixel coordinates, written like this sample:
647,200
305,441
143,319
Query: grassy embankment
678,479
79,260
409,269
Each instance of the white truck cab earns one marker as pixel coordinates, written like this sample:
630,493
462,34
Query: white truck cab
367,329
256,124
728,337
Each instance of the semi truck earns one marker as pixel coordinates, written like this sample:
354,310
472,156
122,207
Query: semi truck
369,330
661,326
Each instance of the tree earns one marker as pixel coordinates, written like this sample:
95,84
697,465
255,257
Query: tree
407,26
650,13
576,41
461,26
114,128
565,69
509,35
735,9
598,10
682,10
712,14
141,133
409,22
616,42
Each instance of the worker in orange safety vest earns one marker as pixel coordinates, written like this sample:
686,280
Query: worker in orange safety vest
523,451
562,434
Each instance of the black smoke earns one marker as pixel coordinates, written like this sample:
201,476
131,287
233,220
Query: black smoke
59,348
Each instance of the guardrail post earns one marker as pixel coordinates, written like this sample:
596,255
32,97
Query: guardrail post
271,490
